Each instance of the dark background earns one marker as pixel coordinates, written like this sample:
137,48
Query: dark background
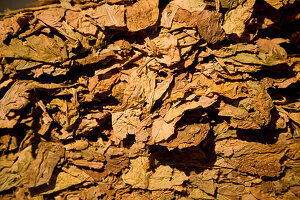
14,4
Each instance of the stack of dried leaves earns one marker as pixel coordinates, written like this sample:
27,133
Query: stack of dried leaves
149,99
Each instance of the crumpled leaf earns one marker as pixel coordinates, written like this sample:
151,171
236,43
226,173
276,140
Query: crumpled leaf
9,123
242,117
41,169
162,87
164,177
202,102
137,175
278,4
167,48
51,17
167,16
88,164
161,130
68,114
68,177
234,21
207,22
108,15
142,14
11,26
190,5
140,90
77,145
12,175
124,123
17,97
36,48
204,182
189,136
81,23
205,85
261,164
199,194
91,121
209,26
234,49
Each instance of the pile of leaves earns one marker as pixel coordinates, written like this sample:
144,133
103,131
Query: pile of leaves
149,99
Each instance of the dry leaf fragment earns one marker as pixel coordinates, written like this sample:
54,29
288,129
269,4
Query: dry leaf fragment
199,194
125,122
242,116
167,49
191,135
114,165
204,85
41,169
17,97
209,25
137,175
162,130
51,16
11,26
278,4
272,47
165,177
142,14
264,165
9,123
80,22
235,20
108,15
88,164
69,176
140,89
162,87
68,113
167,16
202,102
12,176
36,48
190,5
94,59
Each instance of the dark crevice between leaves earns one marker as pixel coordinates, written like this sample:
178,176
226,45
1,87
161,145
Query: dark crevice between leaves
196,158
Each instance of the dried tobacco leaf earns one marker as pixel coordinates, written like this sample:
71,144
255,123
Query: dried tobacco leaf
42,167
17,97
235,19
125,123
123,99
108,15
142,14
11,26
278,4
13,174
36,48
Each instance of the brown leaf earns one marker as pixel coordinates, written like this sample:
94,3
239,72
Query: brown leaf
124,123
264,165
42,167
235,19
80,22
11,26
191,135
162,130
108,15
209,25
51,16
142,14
